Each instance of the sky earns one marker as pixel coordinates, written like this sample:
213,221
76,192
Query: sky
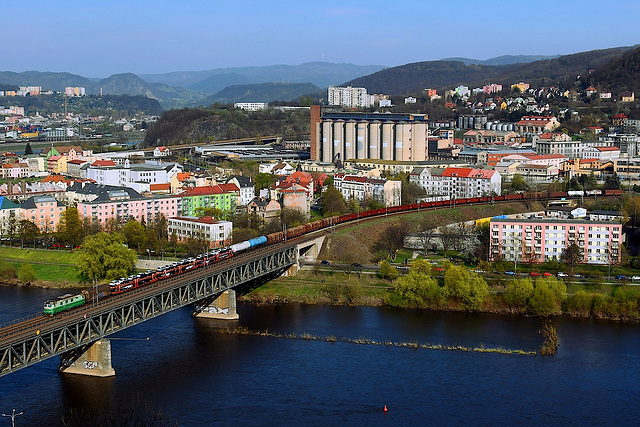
98,38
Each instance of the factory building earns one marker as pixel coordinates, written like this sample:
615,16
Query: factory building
344,136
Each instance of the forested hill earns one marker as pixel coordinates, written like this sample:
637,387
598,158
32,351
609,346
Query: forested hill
195,124
262,92
412,78
621,74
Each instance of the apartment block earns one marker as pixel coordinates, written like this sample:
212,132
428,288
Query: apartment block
540,240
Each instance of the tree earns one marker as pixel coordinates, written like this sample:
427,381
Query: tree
332,202
573,255
543,301
27,274
291,217
518,183
466,288
262,180
28,150
105,256
70,227
387,271
28,231
134,233
417,289
392,238
518,292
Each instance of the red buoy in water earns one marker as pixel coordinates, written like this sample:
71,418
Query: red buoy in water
385,408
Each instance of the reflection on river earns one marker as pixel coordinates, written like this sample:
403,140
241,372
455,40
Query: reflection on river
201,377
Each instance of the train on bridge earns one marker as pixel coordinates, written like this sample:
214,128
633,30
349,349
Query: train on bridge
67,302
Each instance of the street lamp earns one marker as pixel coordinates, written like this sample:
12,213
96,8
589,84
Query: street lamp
13,417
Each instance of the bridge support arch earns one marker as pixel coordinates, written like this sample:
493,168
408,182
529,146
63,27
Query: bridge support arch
92,359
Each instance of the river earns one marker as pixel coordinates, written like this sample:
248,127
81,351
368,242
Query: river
199,376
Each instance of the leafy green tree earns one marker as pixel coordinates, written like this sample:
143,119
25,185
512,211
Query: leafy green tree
134,233
105,256
28,150
332,202
262,180
387,271
518,183
421,266
519,292
543,301
291,217
70,227
417,289
466,288
27,274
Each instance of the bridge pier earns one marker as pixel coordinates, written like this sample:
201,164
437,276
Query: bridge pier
223,307
93,359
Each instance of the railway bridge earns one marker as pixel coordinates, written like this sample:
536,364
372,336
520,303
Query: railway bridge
78,335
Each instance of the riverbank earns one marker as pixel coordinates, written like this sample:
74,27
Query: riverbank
351,289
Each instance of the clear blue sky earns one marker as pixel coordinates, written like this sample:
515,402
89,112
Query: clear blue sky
100,38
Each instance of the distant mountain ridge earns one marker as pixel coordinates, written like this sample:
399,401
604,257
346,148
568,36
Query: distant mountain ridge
502,60
320,73
262,92
412,78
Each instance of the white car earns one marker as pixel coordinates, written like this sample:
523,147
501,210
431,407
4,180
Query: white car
635,278
561,274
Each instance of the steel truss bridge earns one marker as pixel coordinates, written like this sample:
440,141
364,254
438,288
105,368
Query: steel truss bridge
32,340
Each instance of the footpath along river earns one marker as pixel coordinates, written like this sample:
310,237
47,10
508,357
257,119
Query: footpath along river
200,376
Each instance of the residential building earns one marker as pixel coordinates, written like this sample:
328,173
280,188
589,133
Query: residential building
122,204
628,170
457,183
136,176
628,96
74,168
540,240
536,124
43,211
350,97
10,216
161,151
251,106
14,170
222,196
604,154
246,186
340,136
216,232
265,208
363,188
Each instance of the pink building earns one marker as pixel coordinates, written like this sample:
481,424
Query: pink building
540,240
43,211
121,206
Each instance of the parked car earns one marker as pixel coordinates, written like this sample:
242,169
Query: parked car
479,271
622,277
510,273
547,274
535,274
577,275
325,262
635,278
356,264
438,269
561,274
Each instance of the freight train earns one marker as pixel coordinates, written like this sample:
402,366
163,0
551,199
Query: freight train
119,286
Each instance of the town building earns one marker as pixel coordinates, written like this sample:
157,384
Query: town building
363,188
251,106
136,176
246,186
266,208
223,197
341,136
350,97
536,124
43,211
104,203
540,240
216,233
457,183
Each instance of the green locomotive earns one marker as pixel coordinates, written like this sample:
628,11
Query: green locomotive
62,303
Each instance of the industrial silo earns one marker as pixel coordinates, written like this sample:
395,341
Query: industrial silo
362,138
387,140
327,141
350,140
374,144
